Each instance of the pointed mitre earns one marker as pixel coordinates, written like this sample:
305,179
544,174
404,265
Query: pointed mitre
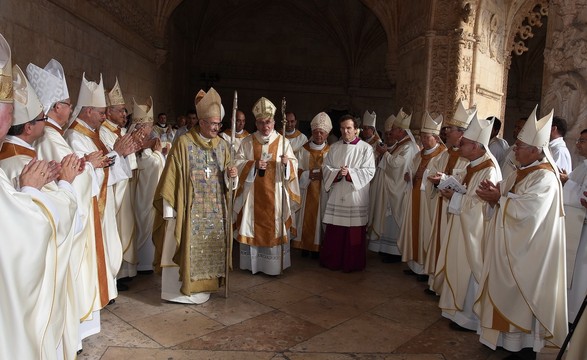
389,123
26,103
6,95
91,93
264,109
321,121
199,97
403,120
210,105
114,97
536,133
142,114
429,125
479,130
462,116
49,83
369,118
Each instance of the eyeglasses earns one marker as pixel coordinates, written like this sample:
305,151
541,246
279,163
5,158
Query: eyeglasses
44,118
65,103
217,125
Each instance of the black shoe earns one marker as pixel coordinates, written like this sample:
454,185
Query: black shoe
391,259
145,272
422,278
315,255
430,292
124,279
79,351
111,302
457,327
409,272
121,287
305,253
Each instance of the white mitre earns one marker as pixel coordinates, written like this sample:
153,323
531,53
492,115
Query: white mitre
91,93
537,132
321,121
264,109
369,119
431,126
402,120
49,83
479,130
389,123
114,97
26,103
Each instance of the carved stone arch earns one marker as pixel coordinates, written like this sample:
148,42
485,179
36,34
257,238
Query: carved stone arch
526,15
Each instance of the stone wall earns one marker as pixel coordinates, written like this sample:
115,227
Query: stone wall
84,38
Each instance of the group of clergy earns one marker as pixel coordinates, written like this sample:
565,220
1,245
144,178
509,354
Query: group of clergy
493,249
77,189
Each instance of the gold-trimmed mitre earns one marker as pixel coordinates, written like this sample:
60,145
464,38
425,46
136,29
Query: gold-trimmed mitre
429,125
143,114
6,95
462,116
264,109
114,97
321,121
210,105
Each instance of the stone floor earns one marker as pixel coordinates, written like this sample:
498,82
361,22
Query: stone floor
308,313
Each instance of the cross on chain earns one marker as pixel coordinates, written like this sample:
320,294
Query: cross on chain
208,172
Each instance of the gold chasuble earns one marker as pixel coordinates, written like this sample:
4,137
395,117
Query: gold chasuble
313,197
193,184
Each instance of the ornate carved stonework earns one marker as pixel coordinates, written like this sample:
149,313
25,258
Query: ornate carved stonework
524,30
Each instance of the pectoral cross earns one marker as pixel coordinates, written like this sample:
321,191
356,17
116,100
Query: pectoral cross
208,172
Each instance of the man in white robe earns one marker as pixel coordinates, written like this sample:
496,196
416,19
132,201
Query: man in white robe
522,302
150,163
240,131
267,196
113,130
389,188
84,138
296,138
16,152
310,159
460,261
416,227
347,171
449,163
498,146
369,132
576,230
30,279
51,88
558,147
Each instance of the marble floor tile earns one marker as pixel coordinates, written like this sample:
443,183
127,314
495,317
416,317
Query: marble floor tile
367,333
141,304
410,313
356,295
322,311
274,331
313,281
243,279
114,332
276,294
237,308
176,326
118,353
353,356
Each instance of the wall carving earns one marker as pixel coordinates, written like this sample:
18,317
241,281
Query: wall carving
524,31
491,37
